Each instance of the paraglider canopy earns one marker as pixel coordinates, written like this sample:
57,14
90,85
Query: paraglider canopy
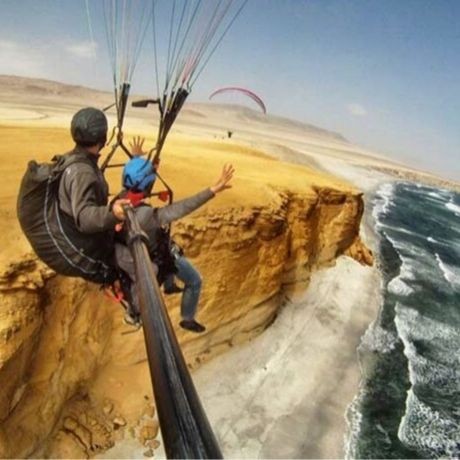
233,91
185,33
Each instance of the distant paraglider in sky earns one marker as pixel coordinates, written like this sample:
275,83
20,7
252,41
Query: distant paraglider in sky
233,93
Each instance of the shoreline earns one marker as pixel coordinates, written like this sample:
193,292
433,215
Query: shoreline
306,361
296,380
286,394
370,237
410,313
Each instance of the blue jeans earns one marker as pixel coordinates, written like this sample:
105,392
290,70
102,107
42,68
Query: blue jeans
191,278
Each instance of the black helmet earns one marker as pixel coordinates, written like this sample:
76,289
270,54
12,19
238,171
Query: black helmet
89,127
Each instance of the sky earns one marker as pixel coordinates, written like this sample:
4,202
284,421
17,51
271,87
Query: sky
383,73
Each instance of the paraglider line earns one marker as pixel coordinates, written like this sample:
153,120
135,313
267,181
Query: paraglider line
155,51
90,28
205,63
168,70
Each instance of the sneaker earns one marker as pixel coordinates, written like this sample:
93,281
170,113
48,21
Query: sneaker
132,320
131,317
192,325
174,289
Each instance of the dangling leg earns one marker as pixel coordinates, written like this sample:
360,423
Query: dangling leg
191,278
170,286
126,263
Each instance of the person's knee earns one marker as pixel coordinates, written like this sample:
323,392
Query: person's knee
188,274
195,282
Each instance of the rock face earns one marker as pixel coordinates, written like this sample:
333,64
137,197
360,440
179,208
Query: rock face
74,378
257,257
64,351
47,351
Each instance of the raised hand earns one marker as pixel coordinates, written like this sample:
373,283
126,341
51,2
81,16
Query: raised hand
136,146
224,179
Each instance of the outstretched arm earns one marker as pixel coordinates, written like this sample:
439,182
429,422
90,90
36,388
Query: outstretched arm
184,207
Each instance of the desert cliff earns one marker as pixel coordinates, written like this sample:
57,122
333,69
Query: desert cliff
74,377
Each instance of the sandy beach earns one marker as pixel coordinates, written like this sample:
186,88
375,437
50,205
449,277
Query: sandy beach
290,387
295,382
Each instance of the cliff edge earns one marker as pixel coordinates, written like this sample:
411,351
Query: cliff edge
75,378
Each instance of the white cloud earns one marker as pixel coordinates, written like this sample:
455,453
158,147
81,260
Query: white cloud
356,109
85,50
57,60
20,59
7,45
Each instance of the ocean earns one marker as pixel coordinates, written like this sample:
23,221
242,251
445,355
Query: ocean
408,405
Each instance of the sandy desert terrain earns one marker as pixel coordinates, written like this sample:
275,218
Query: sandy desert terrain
295,206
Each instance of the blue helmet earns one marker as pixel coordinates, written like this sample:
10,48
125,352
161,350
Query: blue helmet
138,174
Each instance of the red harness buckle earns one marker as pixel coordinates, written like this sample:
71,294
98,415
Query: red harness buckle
114,292
135,197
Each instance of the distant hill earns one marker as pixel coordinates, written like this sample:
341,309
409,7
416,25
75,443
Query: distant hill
33,100
40,87
62,97
29,89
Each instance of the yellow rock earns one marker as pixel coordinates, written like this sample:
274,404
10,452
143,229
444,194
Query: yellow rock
149,411
253,244
108,407
148,453
148,432
118,422
155,444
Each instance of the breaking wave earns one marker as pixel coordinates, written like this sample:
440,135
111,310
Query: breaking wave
408,403
450,273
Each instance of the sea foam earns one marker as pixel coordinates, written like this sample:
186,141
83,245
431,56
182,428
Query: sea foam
423,427
455,208
376,338
414,328
417,222
450,273
398,287
382,200
407,268
427,430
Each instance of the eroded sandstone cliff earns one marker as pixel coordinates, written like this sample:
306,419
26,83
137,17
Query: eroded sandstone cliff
75,379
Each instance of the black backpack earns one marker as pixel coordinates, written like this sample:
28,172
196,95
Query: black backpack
52,234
